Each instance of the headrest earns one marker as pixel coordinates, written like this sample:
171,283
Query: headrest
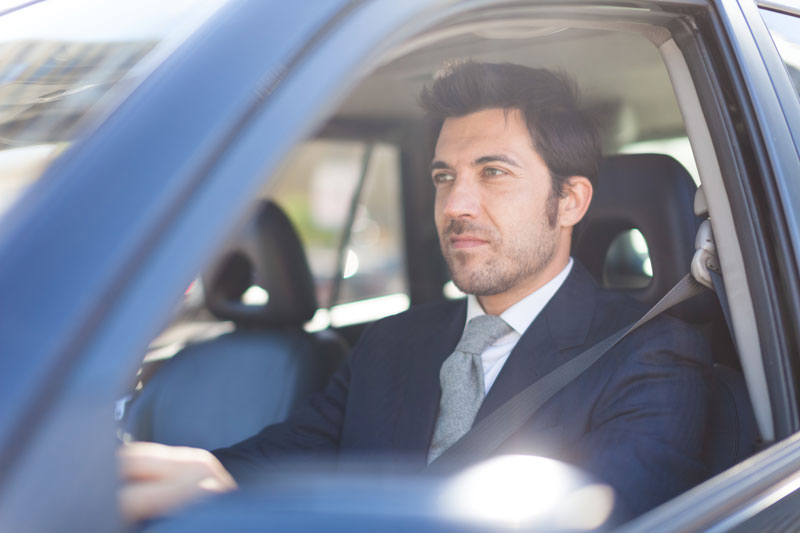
654,194
269,255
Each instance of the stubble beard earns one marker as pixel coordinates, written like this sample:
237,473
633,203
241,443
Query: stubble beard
511,263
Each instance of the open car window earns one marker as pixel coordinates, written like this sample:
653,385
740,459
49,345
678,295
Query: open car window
641,102
638,102
327,128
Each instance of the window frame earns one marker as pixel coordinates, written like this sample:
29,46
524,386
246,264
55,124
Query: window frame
97,356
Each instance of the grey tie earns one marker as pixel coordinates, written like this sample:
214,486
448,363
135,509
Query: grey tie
462,383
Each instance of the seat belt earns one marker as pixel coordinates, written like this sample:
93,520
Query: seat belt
488,434
705,264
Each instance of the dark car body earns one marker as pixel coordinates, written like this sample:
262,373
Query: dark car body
96,254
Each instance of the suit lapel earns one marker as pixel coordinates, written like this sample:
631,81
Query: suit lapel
562,324
437,340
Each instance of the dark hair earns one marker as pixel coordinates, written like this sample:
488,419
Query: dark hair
562,135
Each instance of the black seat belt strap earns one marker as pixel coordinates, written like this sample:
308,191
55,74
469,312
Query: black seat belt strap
485,436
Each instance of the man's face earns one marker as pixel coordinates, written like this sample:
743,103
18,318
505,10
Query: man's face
496,217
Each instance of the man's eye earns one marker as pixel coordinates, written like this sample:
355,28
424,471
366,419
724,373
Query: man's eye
491,171
442,177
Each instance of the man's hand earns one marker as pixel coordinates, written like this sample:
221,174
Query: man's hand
157,478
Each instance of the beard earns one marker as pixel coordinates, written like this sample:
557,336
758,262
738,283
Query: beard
519,257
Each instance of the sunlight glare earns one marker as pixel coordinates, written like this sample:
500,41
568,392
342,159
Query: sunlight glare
351,265
521,491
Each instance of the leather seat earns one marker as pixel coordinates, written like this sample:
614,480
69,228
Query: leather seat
217,392
654,194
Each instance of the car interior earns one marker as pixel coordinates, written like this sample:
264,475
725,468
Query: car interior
343,233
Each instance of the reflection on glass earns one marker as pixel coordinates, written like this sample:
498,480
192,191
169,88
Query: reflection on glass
351,265
785,30
316,187
59,60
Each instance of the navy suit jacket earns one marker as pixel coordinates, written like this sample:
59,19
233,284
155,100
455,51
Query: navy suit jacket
634,420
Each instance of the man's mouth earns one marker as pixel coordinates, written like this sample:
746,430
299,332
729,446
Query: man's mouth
461,242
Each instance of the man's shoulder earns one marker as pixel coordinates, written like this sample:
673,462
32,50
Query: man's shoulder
664,332
412,331
430,313
620,305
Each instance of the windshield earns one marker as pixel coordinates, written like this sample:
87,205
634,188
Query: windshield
58,64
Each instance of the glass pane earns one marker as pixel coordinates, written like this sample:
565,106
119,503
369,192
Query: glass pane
785,31
627,264
57,62
677,147
375,265
316,189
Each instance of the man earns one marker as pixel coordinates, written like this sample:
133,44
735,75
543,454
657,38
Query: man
513,170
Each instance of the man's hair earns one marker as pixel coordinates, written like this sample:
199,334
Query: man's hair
562,135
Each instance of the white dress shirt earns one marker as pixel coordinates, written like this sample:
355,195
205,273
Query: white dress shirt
519,316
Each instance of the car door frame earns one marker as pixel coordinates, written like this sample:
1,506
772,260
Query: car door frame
752,81
100,246
86,363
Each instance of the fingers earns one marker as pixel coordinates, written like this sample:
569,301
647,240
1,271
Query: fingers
150,460
157,478
149,499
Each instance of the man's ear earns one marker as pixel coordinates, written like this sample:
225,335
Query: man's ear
577,197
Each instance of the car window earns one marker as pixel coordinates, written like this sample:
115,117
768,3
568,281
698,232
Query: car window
677,147
343,196
785,30
344,199
339,171
59,60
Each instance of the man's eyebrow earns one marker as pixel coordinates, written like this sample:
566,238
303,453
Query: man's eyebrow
439,165
480,161
495,157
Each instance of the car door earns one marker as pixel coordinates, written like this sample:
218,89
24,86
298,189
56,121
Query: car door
230,102
95,252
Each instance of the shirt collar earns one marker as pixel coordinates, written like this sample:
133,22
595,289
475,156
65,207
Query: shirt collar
520,315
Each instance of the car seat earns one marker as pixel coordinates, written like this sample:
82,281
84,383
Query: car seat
217,392
655,194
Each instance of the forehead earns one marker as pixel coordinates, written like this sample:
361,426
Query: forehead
482,132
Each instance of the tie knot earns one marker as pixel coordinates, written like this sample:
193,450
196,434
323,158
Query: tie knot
482,331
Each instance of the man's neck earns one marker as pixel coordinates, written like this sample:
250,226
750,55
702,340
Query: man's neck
496,304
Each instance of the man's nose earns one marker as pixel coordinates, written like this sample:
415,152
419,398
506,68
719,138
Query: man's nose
463,199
